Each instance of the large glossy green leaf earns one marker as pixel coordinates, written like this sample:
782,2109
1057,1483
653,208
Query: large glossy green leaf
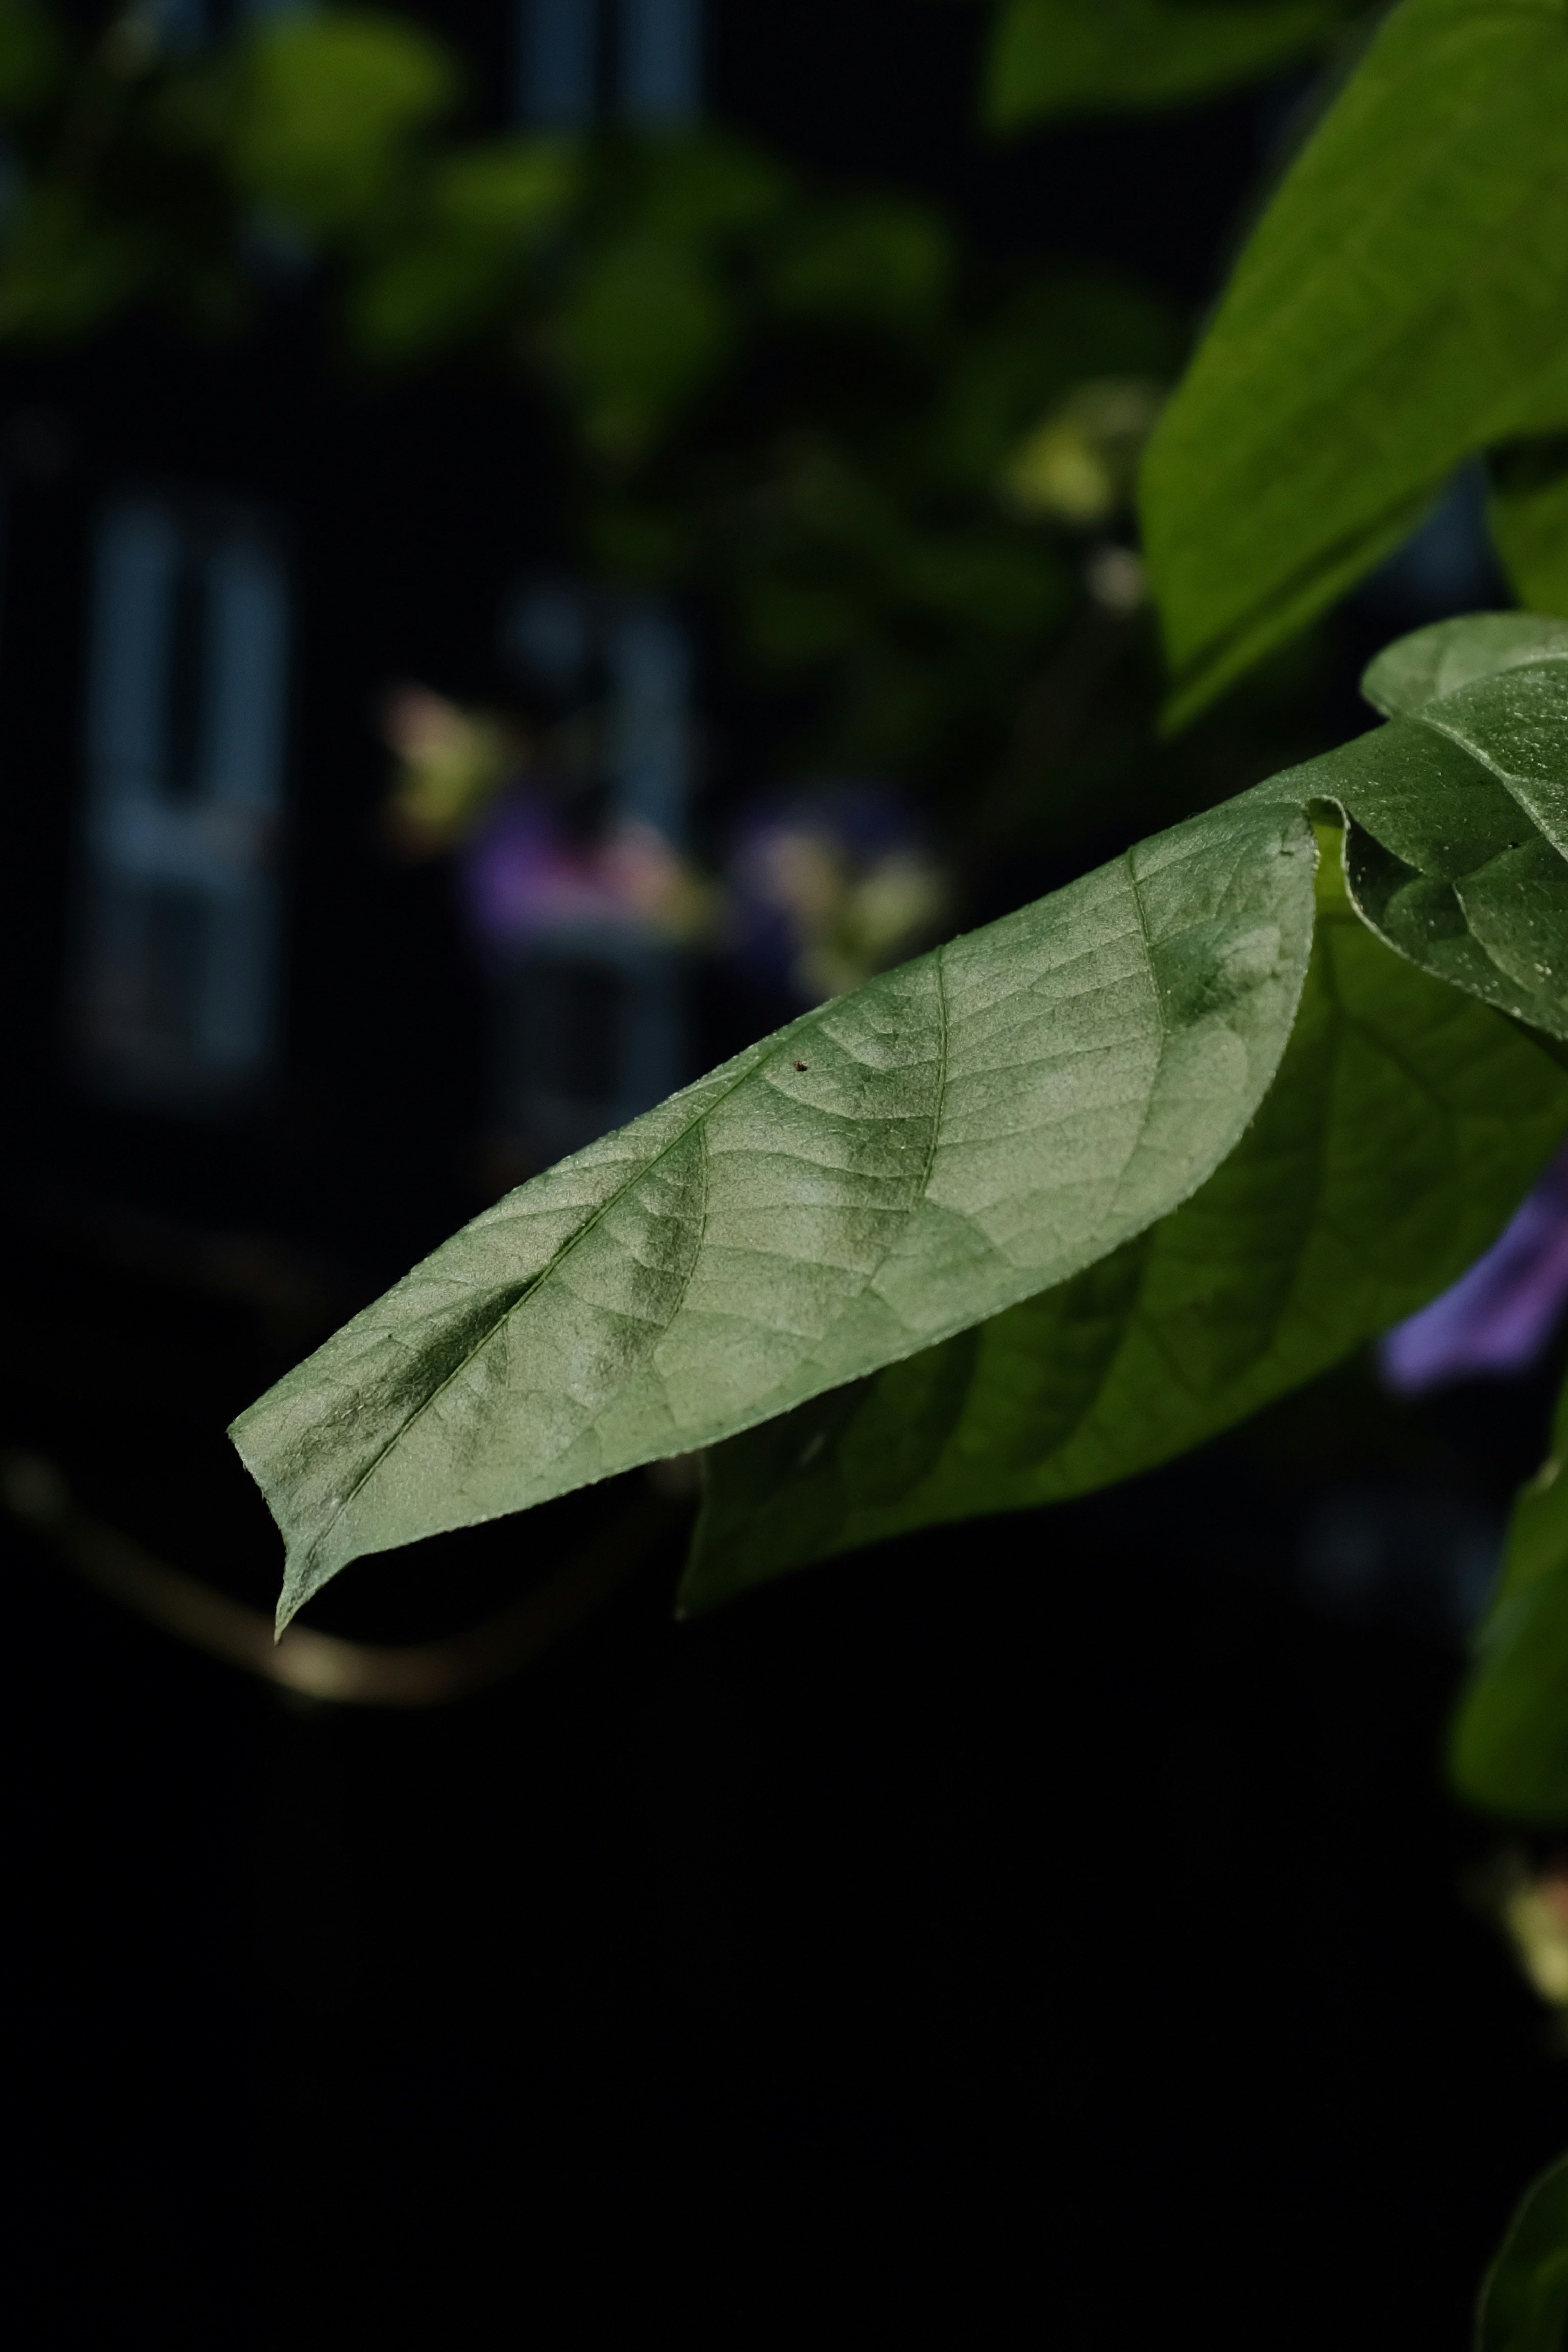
1403,304
913,1157
1403,1125
959,1135
1061,57
1508,1747
1460,810
1524,2301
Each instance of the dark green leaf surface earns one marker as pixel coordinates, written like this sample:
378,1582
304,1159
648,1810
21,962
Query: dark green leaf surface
983,1125
966,1130
1062,56
1403,304
1524,2302
1403,1128
1509,1749
1459,811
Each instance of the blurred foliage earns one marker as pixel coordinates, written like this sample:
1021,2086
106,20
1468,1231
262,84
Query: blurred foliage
1066,56
890,470
1524,2301
1509,1750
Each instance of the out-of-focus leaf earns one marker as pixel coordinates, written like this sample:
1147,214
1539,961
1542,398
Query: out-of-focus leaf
487,212
1403,1128
327,111
1066,57
1077,465
33,54
64,267
883,260
1508,1747
645,324
1040,345
1400,306
952,1137
991,580
705,185
1524,2301
1530,519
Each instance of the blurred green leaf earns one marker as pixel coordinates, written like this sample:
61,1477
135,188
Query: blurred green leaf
487,213
1064,57
63,267
1508,1747
1524,2301
1048,338
1403,304
34,55
1401,1128
642,327
987,580
882,261
328,109
704,184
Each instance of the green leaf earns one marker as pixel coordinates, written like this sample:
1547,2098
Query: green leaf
1438,661
643,325
34,55
328,109
1508,1747
1061,57
1400,1132
908,1159
955,1137
1524,2301
487,212
1053,335
1401,306
881,261
1460,810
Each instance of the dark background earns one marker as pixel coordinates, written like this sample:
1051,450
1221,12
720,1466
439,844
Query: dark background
1053,1926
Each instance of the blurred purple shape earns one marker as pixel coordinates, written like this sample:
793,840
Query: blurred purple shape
1498,1318
523,874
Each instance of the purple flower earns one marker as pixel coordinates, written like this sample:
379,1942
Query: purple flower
1498,1318
523,874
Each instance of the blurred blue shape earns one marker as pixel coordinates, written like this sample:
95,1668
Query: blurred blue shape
661,61
1447,565
1497,1319
1397,1555
558,63
176,980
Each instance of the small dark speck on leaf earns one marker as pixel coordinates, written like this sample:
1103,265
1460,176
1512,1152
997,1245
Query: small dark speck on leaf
801,1066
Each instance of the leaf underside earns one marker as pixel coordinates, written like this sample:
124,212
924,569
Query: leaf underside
1404,1124
974,1130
